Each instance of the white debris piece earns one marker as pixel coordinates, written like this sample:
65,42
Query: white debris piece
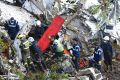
84,78
92,26
80,78
19,14
39,6
89,3
116,30
16,45
97,15
31,7
11,76
95,74
11,1
48,4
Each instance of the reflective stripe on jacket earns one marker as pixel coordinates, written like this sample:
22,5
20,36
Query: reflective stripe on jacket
58,46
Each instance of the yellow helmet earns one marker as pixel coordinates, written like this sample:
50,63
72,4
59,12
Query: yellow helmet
20,36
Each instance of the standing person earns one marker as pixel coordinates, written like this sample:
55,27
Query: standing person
12,27
26,57
76,53
37,30
108,52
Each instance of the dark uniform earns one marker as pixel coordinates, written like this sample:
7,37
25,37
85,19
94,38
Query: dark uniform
12,27
37,56
95,61
108,52
76,54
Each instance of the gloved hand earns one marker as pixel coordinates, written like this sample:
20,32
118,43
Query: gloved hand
101,62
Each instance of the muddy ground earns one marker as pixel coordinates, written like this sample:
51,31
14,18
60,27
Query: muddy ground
115,73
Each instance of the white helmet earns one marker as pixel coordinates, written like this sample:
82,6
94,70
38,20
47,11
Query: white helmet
106,38
38,23
31,39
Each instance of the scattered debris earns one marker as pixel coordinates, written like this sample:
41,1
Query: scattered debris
78,25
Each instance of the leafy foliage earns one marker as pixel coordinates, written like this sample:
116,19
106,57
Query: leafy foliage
94,9
1,78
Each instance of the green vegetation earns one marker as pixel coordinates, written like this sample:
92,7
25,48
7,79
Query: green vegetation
94,9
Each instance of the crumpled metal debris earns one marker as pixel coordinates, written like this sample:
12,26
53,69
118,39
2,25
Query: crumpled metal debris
94,73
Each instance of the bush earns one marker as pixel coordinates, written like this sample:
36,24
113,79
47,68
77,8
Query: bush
94,9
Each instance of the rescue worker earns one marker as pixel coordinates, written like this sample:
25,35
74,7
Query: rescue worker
34,48
57,46
26,58
42,18
76,53
97,58
24,46
36,54
12,27
37,30
108,52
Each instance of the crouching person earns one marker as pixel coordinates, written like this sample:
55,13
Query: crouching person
97,58
58,47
